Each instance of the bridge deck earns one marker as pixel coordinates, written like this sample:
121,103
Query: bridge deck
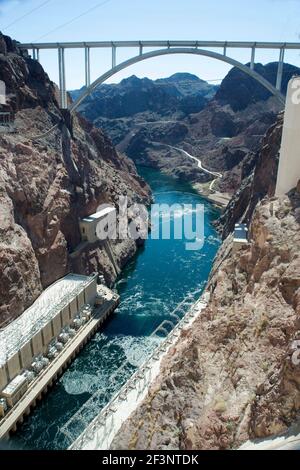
222,44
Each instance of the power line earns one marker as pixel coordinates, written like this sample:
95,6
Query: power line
26,14
73,19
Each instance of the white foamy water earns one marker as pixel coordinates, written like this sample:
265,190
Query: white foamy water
81,383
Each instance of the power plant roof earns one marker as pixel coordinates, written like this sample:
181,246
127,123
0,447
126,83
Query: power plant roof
35,318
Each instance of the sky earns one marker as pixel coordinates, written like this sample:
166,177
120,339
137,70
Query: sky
116,20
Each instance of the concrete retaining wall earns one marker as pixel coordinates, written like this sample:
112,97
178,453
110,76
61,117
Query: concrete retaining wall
13,366
26,355
3,378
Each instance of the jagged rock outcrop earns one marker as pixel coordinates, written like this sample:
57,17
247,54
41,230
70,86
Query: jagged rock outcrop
240,90
47,184
230,377
260,182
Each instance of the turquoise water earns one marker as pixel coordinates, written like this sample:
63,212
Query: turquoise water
161,275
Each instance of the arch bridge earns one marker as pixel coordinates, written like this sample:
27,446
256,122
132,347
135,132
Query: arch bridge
161,48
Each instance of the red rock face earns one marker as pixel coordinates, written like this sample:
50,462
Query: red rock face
20,276
48,184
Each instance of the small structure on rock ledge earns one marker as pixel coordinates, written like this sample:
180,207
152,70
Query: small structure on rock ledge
88,225
240,237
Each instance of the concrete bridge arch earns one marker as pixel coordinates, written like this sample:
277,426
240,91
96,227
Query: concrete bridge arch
177,50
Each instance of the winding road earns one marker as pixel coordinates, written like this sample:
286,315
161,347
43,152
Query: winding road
205,170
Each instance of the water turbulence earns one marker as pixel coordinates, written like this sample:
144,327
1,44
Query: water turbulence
161,276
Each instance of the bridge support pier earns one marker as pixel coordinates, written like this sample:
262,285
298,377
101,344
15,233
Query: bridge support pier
113,56
62,78
252,64
280,69
36,54
87,67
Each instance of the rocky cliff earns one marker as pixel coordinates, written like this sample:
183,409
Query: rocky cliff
48,183
258,181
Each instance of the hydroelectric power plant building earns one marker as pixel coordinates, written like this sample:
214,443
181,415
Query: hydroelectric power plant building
37,347
31,334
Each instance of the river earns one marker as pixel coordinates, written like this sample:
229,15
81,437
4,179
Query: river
160,276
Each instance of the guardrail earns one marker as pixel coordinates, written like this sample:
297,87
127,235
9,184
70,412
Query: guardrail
163,43
139,381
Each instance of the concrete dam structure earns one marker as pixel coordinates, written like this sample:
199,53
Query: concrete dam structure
38,346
